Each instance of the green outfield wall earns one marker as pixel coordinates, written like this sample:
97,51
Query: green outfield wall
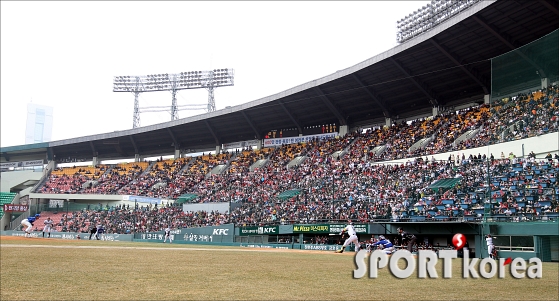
521,239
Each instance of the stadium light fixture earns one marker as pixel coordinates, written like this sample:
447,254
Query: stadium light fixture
429,16
174,82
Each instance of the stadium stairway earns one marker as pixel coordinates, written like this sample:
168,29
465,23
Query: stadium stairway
258,164
5,198
467,135
338,154
186,167
218,170
378,150
296,162
422,143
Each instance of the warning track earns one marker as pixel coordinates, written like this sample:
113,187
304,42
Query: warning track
73,244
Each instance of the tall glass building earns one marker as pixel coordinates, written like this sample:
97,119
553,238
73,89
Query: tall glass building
39,124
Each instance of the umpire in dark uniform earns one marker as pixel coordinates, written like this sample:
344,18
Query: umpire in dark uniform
92,232
410,238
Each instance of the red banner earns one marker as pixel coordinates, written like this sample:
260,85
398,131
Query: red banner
15,208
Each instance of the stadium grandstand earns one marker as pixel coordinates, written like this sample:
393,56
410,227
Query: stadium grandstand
457,126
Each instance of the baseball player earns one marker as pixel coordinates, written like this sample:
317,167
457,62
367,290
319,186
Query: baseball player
349,229
27,224
100,232
48,226
168,235
387,246
490,246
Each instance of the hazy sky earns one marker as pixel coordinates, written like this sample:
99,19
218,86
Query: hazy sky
65,54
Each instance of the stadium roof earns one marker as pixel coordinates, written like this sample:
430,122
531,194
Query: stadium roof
446,66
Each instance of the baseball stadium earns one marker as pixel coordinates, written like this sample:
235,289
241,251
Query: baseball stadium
453,131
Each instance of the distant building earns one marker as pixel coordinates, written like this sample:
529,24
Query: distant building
39,124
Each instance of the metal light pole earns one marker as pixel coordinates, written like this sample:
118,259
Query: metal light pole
173,82
332,217
134,225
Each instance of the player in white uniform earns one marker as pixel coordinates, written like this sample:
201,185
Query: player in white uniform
349,229
490,245
100,234
168,235
48,226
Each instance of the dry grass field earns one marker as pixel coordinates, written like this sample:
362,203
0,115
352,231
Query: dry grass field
51,269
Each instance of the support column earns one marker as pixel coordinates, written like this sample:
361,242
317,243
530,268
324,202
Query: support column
388,121
217,149
486,99
94,161
259,144
177,153
343,130
435,111
137,158
545,83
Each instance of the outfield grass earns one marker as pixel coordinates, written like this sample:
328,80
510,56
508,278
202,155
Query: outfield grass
43,269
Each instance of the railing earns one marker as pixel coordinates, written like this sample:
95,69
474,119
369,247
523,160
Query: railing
511,248
421,219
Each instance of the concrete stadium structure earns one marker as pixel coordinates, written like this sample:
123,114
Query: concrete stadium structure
447,68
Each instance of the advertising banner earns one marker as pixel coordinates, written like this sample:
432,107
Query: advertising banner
143,199
240,144
7,165
266,246
73,235
15,208
320,247
359,228
318,228
291,140
32,163
328,228
216,234
259,230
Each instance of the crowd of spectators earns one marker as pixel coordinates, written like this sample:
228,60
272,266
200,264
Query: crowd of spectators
361,191
142,219
355,185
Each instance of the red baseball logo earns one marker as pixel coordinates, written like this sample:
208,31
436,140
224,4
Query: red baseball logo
459,240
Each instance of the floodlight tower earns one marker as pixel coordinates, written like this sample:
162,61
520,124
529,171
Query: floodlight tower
209,84
213,79
173,82
132,84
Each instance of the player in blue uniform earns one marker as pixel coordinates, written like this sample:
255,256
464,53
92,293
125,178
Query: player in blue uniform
387,246
27,224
